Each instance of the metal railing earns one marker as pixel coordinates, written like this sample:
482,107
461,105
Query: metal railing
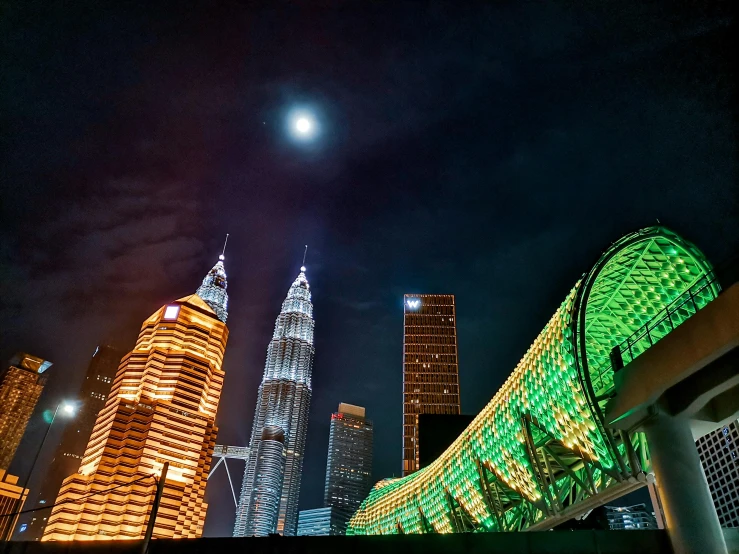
696,297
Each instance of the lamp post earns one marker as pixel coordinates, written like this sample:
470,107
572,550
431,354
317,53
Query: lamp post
67,408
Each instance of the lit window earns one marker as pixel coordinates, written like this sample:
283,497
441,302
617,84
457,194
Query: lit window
171,312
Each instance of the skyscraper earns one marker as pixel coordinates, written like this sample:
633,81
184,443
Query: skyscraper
20,387
91,399
430,366
161,408
720,458
283,401
349,463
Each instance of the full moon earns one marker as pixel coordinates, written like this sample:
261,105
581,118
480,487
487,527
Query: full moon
303,125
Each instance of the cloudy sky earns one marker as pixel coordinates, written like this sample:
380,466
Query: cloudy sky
491,151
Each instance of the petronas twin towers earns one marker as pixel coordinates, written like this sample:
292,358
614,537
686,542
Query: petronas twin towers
269,494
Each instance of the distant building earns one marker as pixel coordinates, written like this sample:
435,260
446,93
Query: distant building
12,498
630,518
161,408
20,388
436,433
430,366
92,397
321,522
718,453
349,461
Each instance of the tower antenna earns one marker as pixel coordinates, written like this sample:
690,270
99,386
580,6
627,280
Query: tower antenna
223,254
304,254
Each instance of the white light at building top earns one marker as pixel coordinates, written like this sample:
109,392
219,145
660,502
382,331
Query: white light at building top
302,268
413,303
171,312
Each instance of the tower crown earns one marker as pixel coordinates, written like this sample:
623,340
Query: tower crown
213,290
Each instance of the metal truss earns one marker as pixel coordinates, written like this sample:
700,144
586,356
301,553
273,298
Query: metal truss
222,452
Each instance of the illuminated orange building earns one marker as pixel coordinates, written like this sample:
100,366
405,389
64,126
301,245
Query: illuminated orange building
161,408
430,366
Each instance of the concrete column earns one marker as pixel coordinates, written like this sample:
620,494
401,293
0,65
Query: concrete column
690,517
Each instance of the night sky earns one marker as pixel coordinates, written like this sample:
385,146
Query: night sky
491,152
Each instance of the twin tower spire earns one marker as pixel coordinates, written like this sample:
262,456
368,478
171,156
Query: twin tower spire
213,289
270,489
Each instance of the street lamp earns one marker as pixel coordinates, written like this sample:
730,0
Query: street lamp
67,409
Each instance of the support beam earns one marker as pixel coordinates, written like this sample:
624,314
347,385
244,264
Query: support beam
690,517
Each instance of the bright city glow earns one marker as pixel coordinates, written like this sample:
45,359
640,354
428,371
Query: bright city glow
68,408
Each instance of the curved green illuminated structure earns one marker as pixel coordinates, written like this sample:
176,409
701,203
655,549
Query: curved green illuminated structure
539,453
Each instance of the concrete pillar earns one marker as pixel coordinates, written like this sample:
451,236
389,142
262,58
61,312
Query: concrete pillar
690,517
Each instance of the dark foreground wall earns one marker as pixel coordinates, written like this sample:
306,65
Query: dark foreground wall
547,542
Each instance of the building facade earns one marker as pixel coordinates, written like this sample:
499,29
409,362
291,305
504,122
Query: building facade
322,522
68,455
161,408
718,454
283,401
349,460
630,518
12,498
430,366
21,385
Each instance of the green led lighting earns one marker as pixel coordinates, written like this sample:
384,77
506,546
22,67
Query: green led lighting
539,447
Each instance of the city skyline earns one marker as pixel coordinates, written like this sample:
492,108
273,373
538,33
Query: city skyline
490,151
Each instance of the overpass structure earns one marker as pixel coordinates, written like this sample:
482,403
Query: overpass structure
543,449
223,452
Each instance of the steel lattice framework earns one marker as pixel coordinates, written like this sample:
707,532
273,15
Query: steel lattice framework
539,453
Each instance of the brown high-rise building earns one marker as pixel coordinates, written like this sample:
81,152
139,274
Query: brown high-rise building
161,408
91,399
430,366
12,498
20,387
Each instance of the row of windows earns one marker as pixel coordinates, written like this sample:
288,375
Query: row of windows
430,388
441,375
429,349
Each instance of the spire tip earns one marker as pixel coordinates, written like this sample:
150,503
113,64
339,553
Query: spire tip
223,253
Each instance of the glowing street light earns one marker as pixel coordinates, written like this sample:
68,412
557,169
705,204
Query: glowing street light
68,409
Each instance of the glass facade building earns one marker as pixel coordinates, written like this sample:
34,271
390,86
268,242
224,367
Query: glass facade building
21,385
283,401
349,460
322,522
430,366
161,408
720,458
